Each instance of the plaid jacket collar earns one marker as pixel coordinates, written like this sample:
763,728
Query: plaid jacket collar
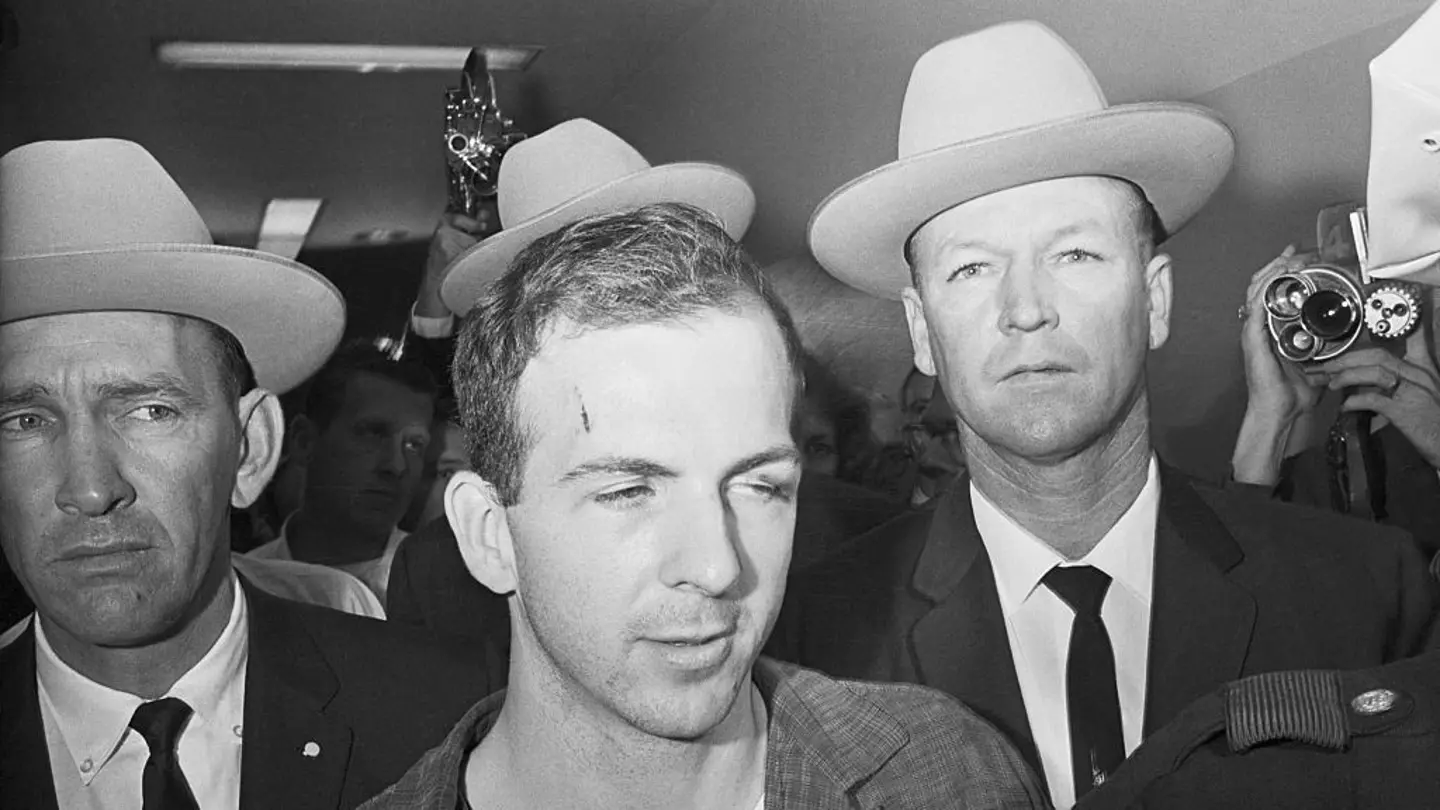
815,724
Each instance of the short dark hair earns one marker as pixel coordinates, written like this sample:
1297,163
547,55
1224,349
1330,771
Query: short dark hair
236,375
324,394
655,264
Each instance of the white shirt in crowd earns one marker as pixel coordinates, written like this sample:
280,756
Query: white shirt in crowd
374,573
1038,622
310,583
97,761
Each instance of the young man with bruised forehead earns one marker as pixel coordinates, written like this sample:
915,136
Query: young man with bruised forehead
628,389
1071,587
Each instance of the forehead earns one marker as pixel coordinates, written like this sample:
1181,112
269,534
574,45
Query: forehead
705,379
368,392
1021,213
104,345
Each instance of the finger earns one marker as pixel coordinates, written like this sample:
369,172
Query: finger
1378,376
1396,368
1369,401
1284,263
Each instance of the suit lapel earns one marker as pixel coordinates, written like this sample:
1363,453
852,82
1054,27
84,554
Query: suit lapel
960,645
295,754
25,777
1200,622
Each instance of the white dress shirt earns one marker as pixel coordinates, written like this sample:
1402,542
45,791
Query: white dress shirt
1038,622
310,583
374,573
97,760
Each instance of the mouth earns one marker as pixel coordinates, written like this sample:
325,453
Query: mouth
694,652
91,552
1033,370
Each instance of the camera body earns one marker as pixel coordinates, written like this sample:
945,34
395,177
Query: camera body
1329,306
477,135
1324,310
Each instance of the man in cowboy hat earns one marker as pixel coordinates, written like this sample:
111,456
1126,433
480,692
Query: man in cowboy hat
628,388
138,369
1074,590
573,170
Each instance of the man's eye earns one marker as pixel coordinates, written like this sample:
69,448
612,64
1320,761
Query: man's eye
964,271
155,413
1076,255
770,491
626,496
22,423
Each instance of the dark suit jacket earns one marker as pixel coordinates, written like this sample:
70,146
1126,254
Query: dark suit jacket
1412,489
372,696
430,586
1243,584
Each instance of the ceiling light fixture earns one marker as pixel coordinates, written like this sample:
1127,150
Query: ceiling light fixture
286,224
359,58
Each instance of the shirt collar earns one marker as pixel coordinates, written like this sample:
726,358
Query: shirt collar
1021,560
93,718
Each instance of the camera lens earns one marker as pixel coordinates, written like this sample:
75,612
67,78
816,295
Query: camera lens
1296,344
458,143
1285,296
1330,315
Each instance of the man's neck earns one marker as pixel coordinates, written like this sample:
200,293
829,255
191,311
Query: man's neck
149,671
1070,503
547,750
324,540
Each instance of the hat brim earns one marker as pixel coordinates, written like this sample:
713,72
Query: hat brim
708,186
1177,153
287,317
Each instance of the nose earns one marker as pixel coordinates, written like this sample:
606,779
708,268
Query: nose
1027,299
703,553
392,459
93,482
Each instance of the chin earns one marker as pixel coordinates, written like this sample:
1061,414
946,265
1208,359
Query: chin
683,711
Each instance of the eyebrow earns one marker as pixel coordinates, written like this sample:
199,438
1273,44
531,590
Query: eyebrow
770,455
644,468
24,395
619,465
163,385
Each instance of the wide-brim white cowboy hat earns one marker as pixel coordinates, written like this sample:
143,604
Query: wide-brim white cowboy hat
98,225
578,169
1002,107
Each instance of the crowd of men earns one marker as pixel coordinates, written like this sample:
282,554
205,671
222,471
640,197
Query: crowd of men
623,588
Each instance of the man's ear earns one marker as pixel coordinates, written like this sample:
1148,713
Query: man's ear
919,330
262,431
477,517
1160,292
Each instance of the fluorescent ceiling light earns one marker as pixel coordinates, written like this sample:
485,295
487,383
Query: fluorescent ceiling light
361,58
286,224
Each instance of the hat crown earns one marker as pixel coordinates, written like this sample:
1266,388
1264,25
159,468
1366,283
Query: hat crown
560,164
59,197
1003,78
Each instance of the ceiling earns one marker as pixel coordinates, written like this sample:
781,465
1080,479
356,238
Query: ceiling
368,144
800,95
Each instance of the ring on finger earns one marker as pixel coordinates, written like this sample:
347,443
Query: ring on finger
1243,312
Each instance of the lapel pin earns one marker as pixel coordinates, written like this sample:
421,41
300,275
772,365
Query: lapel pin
312,749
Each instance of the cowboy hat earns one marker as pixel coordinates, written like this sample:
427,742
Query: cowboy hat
999,108
578,169
96,225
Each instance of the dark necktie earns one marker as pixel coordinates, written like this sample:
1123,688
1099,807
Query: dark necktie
1097,743
160,722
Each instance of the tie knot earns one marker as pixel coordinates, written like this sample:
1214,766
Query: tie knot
1082,587
160,722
